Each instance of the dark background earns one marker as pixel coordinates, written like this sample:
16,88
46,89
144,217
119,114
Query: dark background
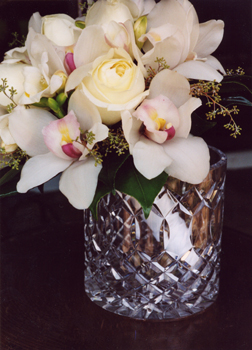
234,51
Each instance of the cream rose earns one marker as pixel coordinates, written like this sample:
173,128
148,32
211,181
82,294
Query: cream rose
58,28
103,12
114,84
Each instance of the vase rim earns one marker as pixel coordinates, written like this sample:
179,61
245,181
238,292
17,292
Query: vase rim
221,155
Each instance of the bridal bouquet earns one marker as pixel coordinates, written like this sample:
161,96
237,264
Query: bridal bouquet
107,100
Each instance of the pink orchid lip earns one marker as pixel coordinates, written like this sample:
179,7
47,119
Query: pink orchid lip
71,151
69,62
170,133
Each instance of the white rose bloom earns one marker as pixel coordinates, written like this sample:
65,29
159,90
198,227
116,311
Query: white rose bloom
103,12
58,28
113,84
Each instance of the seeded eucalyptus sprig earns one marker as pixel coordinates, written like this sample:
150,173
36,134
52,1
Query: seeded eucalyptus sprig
210,90
10,96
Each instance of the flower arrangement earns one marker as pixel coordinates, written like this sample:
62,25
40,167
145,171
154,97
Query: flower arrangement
107,100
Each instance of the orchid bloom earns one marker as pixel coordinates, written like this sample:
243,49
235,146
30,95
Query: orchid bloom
46,75
175,34
67,153
158,131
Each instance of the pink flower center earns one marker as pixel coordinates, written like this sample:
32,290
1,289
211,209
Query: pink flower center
71,151
69,62
170,132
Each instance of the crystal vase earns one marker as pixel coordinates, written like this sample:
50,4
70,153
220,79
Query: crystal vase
164,267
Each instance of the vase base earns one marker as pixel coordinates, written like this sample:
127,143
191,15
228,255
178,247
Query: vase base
149,302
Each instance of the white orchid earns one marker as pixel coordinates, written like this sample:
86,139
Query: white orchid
175,34
58,147
46,74
164,144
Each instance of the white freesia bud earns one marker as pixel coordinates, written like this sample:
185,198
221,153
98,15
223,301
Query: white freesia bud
63,76
140,27
9,148
60,29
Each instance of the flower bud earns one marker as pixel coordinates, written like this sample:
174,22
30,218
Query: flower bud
9,148
140,27
53,104
61,98
63,76
80,24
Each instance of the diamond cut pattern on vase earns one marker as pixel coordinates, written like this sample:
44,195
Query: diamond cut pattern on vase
164,267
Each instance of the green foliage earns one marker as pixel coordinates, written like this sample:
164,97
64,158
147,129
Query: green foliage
10,95
119,173
8,181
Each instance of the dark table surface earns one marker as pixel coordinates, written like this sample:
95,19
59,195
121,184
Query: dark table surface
44,307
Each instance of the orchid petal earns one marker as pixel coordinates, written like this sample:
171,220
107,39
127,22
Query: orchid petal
172,85
101,132
37,44
210,37
76,77
190,159
213,62
150,158
13,72
18,54
78,182
90,45
85,111
26,128
131,128
198,70
60,132
5,134
185,112
40,169
35,22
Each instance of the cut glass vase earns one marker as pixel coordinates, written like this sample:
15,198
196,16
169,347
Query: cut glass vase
165,267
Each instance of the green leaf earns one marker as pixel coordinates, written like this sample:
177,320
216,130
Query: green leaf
106,181
239,100
8,181
130,181
199,125
110,165
100,192
234,84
